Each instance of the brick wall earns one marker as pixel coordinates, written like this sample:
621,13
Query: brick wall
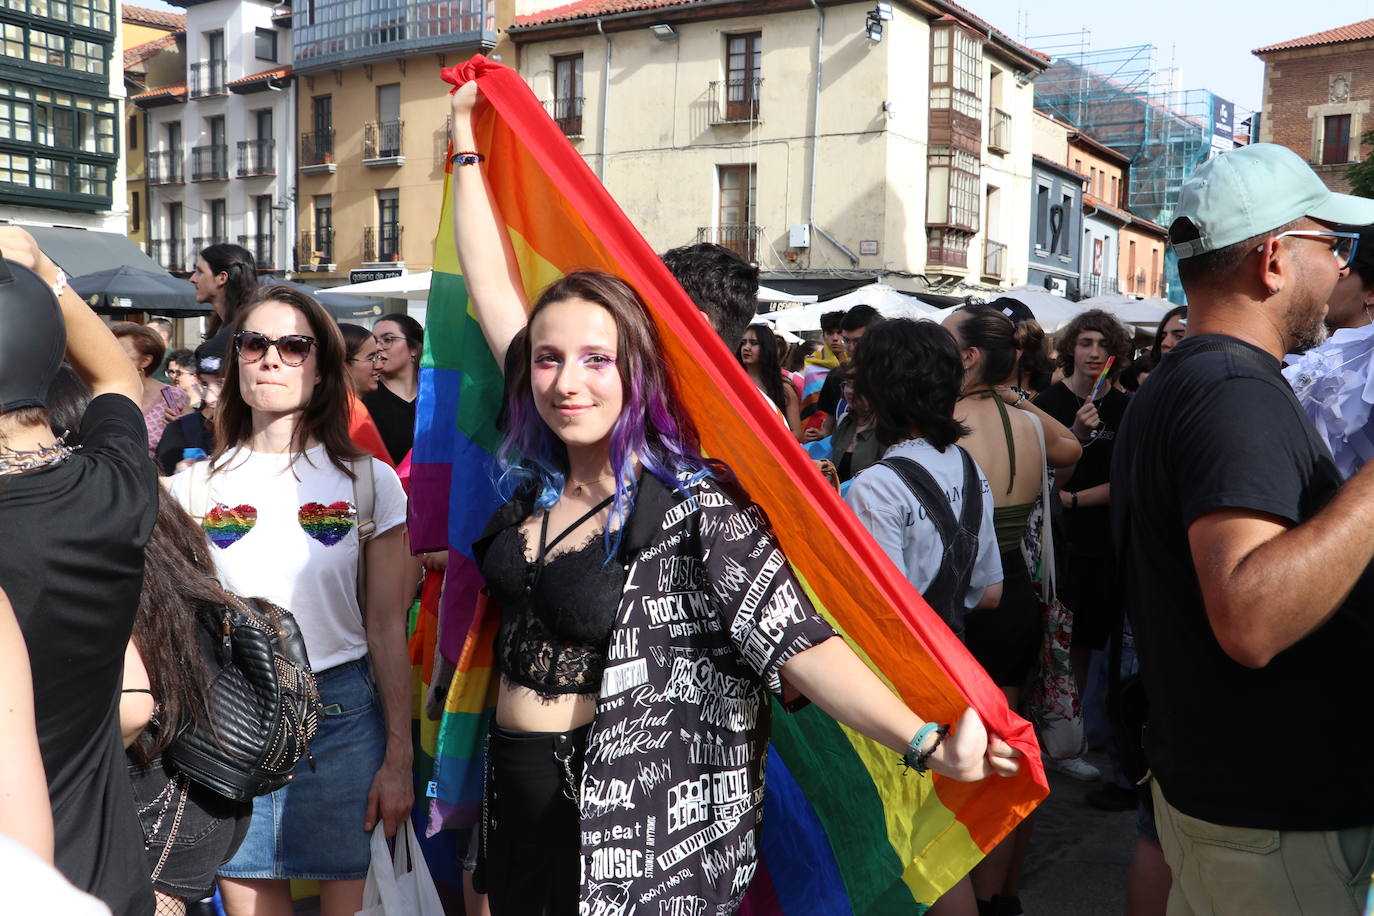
1298,96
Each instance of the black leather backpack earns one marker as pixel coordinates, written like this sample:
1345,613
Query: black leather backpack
262,705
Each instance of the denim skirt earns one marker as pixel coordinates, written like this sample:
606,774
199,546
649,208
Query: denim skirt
313,826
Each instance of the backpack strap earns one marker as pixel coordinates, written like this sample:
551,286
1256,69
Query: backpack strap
958,537
198,490
928,492
365,501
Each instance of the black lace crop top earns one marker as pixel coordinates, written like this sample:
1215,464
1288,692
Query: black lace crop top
556,620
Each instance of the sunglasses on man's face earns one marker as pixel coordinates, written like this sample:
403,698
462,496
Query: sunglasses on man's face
292,348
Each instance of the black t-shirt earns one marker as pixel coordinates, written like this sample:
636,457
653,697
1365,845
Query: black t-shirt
190,431
1284,747
71,562
395,419
1088,527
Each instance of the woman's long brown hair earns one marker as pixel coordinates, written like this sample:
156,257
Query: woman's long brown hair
324,418
178,579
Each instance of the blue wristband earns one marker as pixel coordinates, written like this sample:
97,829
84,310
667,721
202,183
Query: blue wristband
913,758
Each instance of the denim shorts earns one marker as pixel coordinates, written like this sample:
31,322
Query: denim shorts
313,826
187,828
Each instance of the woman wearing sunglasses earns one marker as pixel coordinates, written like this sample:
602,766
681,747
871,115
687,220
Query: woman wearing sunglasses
281,515
400,340
647,611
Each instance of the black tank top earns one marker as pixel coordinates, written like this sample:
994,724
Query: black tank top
557,614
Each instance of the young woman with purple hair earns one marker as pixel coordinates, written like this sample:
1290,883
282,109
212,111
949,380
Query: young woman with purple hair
646,612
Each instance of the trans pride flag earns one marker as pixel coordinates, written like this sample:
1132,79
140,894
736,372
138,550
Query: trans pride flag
846,829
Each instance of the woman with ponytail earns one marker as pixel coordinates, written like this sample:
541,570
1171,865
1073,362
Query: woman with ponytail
1003,441
646,612
226,277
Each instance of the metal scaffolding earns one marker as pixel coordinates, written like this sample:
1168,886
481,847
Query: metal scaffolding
1116,97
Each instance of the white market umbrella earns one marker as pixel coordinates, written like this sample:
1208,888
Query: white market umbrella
889,302
407,286
1051,312
1130,310
768,294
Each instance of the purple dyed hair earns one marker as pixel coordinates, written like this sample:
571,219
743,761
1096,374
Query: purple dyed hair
650,427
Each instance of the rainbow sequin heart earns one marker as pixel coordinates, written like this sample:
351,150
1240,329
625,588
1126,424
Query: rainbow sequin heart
327,524
224,526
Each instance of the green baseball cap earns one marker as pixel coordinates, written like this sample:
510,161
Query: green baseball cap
1248,191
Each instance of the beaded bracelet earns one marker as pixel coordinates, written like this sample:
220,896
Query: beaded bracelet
915,758
466,158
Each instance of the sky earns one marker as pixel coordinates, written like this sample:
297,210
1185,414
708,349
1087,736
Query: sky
1209,40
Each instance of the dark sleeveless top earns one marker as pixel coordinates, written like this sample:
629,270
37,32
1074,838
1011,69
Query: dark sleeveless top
1008,521
556,614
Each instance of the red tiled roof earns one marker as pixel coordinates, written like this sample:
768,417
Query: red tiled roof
139,53
162,19
274,73
1097,203
588,9
165,92
584,9
1356,31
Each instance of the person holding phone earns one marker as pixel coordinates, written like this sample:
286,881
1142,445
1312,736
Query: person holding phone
145,349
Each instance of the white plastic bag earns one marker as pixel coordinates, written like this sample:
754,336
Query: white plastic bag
399,884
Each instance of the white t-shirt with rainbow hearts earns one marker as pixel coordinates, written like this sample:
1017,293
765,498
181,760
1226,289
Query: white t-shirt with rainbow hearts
287,531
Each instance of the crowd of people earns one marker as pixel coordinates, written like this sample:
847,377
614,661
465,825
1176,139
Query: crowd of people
1211,553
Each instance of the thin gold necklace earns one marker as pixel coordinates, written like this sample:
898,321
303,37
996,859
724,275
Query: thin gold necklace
579,488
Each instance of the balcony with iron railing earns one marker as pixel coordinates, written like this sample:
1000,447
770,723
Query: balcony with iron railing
1098,285
316,251
317,153
382,244
257,157
168,253
382,144
999,132
994,259
207,78
566,113
262,247
742,239
202,242
210,163
735,101
166,167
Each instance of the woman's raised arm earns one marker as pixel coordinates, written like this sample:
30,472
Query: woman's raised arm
489,268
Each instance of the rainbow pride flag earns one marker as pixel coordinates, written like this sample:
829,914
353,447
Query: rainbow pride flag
814,374
847,830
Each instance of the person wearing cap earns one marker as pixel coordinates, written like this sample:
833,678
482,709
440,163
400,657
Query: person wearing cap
73,524
190,437
1245,560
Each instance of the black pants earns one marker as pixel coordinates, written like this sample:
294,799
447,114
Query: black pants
1006,639
529,864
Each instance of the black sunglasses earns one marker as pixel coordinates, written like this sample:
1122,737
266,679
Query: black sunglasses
292,348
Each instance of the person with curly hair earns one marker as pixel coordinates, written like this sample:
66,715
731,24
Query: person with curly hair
1088,583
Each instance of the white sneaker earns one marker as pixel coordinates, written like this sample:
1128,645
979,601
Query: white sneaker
1076,767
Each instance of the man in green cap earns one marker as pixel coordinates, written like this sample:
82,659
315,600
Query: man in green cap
1244,560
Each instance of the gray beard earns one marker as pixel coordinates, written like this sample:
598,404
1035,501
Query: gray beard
1310,337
